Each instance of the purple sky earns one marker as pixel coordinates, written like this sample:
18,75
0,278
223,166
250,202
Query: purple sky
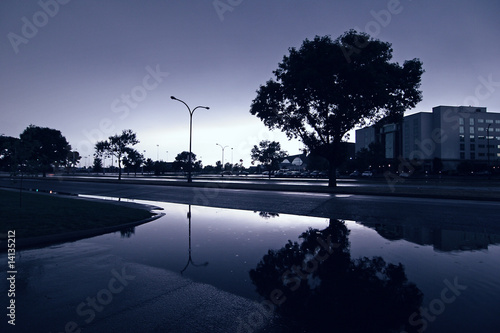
93,68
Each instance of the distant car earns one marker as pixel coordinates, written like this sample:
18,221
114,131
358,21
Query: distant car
367,174
315,174
323,174
354,174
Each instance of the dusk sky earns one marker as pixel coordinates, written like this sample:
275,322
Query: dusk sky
93,68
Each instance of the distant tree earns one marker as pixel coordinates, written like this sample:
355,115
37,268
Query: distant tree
371,157
269,154
72,160
149,165
118,146
327,88
133,160
218,166
8,148
181,162
160,167
43,147
97,166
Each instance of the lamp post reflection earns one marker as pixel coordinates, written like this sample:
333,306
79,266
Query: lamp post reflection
190,259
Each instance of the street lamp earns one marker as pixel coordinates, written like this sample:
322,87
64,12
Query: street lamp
223,147
190,131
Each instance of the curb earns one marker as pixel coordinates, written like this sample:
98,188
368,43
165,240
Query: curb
33,242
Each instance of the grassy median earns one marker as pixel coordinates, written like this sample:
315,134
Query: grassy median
39,214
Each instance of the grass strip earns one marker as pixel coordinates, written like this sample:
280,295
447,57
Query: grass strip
39,214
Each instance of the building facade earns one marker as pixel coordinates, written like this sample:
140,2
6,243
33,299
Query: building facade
450,134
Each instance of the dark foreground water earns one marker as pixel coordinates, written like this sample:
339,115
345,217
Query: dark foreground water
318,274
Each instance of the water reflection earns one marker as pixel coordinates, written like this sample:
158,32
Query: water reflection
190,259
267,215
127,232
441,239
318,287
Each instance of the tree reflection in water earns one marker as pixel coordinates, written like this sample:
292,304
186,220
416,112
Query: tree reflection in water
318,287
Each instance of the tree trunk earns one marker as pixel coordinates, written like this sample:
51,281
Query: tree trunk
332,175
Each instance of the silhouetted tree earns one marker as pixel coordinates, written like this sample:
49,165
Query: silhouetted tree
97,166
371,157
118,145
8,147
318,287
268,154
133,160
43,147
327,88
182,161
72,160
149,165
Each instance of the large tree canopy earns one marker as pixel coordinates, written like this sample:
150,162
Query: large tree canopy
327,88
42,147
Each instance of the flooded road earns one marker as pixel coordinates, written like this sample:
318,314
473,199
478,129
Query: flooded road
450,276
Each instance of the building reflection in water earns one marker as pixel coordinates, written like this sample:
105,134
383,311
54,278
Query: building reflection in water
441,239
316,286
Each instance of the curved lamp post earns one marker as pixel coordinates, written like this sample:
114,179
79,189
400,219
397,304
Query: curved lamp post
190,259
190,131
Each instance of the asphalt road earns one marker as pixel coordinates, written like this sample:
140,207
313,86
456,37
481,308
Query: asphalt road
381,209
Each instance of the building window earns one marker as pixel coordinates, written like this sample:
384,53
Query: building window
480,120
462,155
482,154
498,154
462,146
471,121
471,130
481,146
481,137
472,138
461,130
472,146
480,129
498,137
462,138
489,121
497,129
497,121
472,156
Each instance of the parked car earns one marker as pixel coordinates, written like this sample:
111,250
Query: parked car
314,174
367,173
355,173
